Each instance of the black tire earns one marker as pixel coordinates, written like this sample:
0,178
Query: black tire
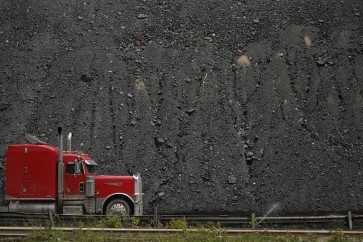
118,207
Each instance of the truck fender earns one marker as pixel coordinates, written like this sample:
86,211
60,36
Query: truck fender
124,196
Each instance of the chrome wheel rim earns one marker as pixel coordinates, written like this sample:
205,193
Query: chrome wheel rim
118,209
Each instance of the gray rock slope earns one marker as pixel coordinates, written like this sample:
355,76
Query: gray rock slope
222,106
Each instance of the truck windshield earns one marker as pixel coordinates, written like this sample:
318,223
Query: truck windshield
91,166
91,169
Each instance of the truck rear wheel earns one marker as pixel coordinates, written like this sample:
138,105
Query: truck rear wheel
118,207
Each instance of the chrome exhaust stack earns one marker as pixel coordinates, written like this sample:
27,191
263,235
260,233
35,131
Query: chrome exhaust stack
60,172
69,142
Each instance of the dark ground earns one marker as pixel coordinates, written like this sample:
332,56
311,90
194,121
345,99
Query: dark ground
222,106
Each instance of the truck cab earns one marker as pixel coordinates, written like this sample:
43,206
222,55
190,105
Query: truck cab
41,178
101,194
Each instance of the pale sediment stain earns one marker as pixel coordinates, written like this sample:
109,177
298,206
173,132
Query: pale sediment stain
244,61
139,84
307,40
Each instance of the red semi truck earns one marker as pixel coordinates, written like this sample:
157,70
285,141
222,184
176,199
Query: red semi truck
41,178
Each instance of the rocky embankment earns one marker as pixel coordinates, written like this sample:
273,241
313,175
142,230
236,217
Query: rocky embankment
222,106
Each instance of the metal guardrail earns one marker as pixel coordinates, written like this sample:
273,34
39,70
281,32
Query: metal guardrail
325,221
347,220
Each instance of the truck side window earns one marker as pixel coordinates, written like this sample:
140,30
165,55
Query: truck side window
70,168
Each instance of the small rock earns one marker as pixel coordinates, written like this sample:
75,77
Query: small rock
81,144
86,78
133,123
303,121
157,122
121,137
159,141
359,50
256,21
141,16
232,180
160,194
79,17
262,152
130,95
108,147
190,111
209,39
3,106
280,54
320,63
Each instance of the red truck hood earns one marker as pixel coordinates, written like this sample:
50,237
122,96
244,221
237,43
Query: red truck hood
108,185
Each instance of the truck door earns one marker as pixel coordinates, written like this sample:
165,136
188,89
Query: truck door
75,181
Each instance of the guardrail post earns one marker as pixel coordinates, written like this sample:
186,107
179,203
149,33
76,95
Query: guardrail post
350,222
156,220
253,220
51,218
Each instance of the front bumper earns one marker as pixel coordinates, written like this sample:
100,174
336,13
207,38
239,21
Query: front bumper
138,204
138,209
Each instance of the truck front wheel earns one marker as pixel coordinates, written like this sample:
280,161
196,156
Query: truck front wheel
118,207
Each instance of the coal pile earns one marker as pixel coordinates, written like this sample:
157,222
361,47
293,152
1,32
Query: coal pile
224,107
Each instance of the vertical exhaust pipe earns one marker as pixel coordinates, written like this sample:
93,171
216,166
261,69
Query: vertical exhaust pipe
69,142
60,172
